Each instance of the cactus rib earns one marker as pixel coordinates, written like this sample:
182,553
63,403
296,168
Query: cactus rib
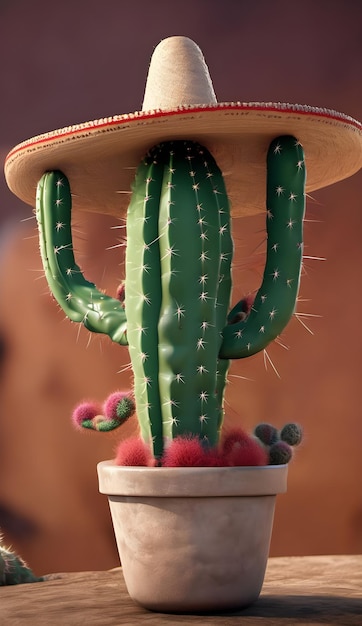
79,298
275,301
143,297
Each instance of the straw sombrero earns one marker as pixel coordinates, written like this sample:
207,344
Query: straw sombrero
99,157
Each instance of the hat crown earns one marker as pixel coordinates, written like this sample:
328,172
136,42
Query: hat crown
177,76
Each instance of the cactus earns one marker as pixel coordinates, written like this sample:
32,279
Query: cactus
186,451
279,444
280,453
267,433
118,407
134,452
13,570
178,281
239,448
292,434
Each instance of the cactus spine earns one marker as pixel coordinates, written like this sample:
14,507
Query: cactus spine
178,280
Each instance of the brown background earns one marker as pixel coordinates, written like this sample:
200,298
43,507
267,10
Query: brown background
77,60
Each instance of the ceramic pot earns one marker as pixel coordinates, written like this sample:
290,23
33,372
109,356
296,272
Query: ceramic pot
192,539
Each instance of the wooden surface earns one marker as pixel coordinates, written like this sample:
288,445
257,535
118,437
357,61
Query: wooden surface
300,590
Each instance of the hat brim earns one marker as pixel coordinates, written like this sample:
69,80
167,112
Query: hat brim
99,158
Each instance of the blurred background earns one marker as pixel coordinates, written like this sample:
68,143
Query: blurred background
82,60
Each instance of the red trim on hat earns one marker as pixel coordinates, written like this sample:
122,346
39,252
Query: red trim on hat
127,118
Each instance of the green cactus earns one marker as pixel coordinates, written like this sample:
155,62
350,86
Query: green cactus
178,280
80,299
178,291
13,570
275,300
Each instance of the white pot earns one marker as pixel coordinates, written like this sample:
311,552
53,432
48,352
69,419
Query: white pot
192,539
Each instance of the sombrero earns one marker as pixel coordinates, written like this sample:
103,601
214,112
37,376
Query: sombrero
99,157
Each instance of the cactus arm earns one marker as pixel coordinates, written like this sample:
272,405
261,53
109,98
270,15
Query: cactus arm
191,322
143,298
80,300
275,301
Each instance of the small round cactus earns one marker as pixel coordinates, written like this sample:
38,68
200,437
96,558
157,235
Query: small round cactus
292,434
233,437
280,453
134,452
279,443
249,453
184,451
267,433
238,448
84,414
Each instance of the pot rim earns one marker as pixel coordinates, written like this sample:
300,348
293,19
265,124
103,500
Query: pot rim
163,482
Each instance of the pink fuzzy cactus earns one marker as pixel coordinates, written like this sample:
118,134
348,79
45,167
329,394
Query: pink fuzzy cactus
240,449
186,451
118,407
112,407
134,452
232,437
121,293
85,412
